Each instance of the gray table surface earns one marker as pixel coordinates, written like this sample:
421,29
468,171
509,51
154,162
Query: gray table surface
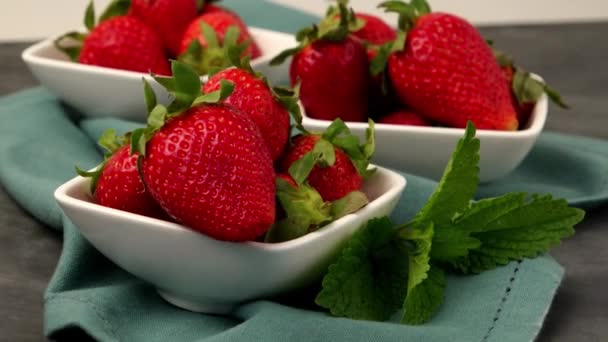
572,57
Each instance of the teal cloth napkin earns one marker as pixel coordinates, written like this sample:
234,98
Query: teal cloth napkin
41,140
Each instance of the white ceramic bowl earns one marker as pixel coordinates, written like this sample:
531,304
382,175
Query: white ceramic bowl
425,151
198,273
100,92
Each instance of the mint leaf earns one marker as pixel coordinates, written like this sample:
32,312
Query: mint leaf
457,186
368,279
425,299
419,253
455,241
509,228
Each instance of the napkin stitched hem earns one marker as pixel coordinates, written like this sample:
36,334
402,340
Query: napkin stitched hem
502,302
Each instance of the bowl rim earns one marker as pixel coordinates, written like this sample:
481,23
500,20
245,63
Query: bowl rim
62,196
31,55
535,125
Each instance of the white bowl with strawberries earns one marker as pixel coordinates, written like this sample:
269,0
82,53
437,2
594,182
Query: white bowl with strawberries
99,69
213,204
421,84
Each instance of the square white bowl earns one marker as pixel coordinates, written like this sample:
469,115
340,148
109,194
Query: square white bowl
105,92
425,151
199,273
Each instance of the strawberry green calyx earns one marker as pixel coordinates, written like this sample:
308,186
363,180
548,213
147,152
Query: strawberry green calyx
329,29
111,143
408,12
185,89
289,98
323,153
213,57
71,42
306,211
525,87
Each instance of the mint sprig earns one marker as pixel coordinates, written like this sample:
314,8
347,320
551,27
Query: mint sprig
368,280
451,233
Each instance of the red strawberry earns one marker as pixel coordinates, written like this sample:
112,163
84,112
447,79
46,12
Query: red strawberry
118,42
333,71
332,162
331,182
220,22
206,163
210,169
525,89
168,17
116,182
447,72
404,117
375,30
253,96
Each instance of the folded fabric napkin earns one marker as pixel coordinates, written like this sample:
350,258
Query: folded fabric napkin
41,140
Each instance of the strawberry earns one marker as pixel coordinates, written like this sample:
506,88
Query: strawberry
254,97
332,69
206,37
333,162
404,117
445,71
525,89
205,162
374,31
116,182
212,8
168,17
118,42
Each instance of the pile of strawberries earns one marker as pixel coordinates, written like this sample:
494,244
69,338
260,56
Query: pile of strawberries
436,69
143,35
219,160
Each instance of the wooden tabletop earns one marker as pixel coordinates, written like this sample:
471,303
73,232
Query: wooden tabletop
573,58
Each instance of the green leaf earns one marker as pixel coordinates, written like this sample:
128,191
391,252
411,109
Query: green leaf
300,169
138,141
336,128
149,96
457,186
420,239
421,6
370,141
89,16
115,8
94,175
289,97
304,208
379,62
324,153
187,80
425,299
109,141
210,35
231,36
283,55
454,240
407,13
157,117
555,97
226,89
71,48
368,279
350,203
526,88
511,229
